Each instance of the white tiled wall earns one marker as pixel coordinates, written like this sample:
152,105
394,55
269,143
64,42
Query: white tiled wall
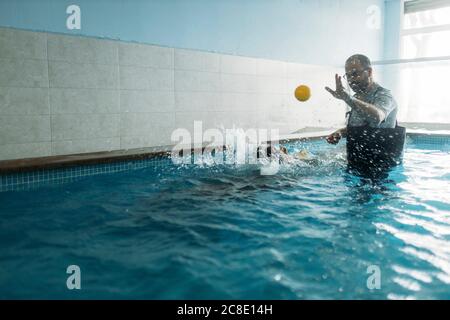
64,94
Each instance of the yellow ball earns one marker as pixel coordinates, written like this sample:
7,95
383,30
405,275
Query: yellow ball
302,93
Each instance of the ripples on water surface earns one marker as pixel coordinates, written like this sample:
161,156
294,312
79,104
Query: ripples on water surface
309,232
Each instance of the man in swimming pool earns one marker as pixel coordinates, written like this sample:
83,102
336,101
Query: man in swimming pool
371,105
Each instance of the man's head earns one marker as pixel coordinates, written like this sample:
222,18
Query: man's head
358,71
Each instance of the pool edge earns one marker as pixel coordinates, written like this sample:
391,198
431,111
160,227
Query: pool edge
105,157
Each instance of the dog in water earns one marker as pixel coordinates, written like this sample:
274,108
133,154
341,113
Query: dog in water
283,156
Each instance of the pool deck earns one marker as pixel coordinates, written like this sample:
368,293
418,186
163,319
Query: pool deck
32,164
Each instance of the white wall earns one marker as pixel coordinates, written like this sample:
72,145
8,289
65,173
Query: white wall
305,31
63,94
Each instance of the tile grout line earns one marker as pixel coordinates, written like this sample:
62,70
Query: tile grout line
48,96
119,86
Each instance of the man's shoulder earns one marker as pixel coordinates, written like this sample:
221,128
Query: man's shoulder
382,90
384,94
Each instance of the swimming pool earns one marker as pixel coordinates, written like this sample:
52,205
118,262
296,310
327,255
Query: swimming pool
227,232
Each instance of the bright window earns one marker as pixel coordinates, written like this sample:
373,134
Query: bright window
426,29
427,18
420,84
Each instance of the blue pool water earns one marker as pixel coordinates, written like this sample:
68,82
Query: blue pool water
213,232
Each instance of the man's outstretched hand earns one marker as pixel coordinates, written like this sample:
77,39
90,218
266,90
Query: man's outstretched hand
340,93
334,137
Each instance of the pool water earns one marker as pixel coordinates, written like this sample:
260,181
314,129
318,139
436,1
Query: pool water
312,231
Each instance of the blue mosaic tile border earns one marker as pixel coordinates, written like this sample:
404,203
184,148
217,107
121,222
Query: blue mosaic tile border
35,179
429,139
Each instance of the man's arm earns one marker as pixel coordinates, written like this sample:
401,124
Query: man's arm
374,113
336,136
343,132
